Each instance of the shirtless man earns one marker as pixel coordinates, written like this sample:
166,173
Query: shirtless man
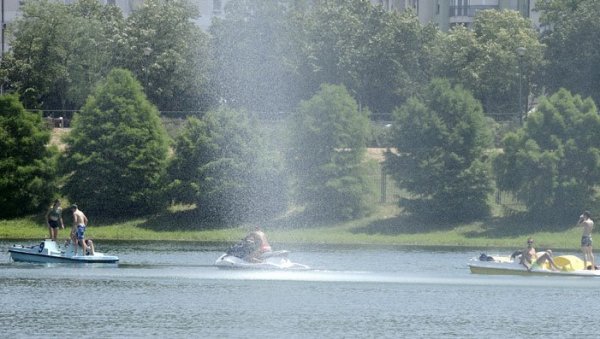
80,221
586,221
530,260
261,243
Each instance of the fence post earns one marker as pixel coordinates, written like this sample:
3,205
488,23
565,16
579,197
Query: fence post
383,185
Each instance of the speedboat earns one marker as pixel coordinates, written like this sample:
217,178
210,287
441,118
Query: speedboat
272,260
569,265
48,251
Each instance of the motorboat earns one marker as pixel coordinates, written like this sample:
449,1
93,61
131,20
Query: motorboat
235,256
569,265
49,251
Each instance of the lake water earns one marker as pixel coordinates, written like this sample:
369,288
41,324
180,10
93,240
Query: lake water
172,290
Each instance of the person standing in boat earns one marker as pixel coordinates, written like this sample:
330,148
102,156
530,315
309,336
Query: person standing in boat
80,222
54,219
259,238
586,221
530,259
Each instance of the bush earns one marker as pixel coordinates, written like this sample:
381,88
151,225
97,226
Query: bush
116,154
326,152
440,140
27,165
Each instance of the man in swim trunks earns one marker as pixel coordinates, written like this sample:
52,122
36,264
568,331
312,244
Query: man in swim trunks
80,222
530,259
586,221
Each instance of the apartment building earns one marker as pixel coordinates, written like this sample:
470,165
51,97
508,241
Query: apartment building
448,13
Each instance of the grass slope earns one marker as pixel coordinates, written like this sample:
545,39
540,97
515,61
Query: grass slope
384,227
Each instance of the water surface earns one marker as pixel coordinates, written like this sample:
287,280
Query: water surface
172,290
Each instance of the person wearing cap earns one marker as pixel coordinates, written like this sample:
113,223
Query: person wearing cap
80,222
54,219
585,220
530,259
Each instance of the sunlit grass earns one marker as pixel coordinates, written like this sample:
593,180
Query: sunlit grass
383,227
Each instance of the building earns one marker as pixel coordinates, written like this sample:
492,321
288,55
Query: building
448,13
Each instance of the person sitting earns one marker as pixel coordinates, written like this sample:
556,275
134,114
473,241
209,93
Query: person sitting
530,259
259,238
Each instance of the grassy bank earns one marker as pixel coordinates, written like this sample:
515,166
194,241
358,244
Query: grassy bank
383,227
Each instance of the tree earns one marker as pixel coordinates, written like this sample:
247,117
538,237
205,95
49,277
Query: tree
58,52
252,46
116,154
326,152
221,165
440,140
381,57
484,59
168,54
572,37
553,163
27,164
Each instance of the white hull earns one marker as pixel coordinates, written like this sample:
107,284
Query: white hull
269,261
50,252
570,266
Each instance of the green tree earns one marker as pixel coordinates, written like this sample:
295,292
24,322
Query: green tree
553,163
484,59
168,54
27,164
440,140
116,154
572,35
326,153
252,47
381,57
221,164
58,52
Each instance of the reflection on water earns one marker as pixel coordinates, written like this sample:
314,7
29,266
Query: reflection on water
364,292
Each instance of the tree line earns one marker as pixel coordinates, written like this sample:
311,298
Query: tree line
324,67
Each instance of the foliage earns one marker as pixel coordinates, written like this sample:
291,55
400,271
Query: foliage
440,140
572,37
168,54
553,163
58,52
252,46
221,165
326,150
484,59
27,165
382,57
117,150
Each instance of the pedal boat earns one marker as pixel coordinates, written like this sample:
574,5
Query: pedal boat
569,265
49,251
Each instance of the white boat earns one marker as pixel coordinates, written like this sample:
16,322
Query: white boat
569,265
275,260
49,251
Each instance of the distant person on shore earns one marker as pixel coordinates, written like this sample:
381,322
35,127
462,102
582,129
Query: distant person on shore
54,219
530,259
80,222
585,220
261,244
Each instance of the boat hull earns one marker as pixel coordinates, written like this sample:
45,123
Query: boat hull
505,266
49,252
270,261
